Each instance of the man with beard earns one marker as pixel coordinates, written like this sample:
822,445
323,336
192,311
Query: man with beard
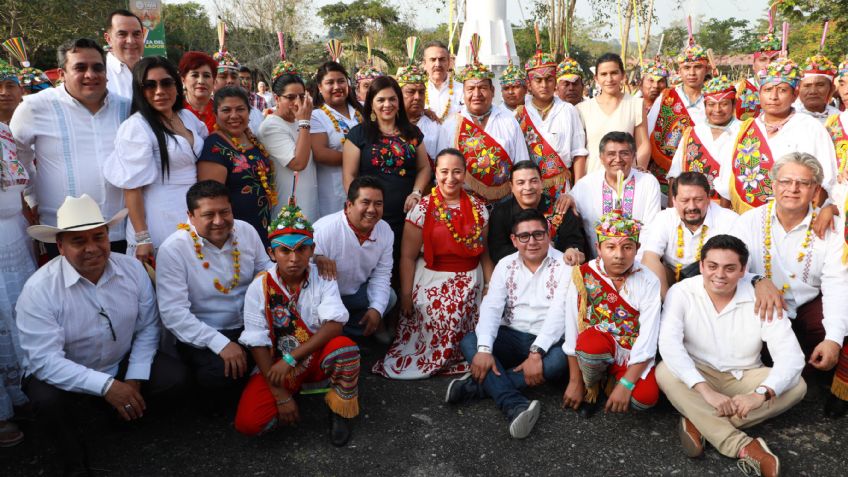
354,247
517,341
817,88
672,242
748,90
443,96
552,128
488,136
654,81
125,36
569,85
513,86
706,146
413,84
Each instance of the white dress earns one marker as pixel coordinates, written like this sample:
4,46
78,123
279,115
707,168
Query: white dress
331,193
135,164
626,117
16,265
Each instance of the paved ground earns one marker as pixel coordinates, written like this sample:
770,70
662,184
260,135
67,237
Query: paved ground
406,430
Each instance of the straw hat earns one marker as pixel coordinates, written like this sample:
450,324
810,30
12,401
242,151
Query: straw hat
76,214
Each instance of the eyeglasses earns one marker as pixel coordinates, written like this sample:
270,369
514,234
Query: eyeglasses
538,235
292,97
102,313
151,85
801,183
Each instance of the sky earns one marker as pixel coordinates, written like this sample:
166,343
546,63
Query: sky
520,10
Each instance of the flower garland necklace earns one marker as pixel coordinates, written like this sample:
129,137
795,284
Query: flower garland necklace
472,241
335,121
198,251
808,238
442,116
261,169
679,266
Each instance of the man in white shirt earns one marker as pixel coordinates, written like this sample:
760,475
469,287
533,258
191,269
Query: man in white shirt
69,131
89,327
598,193
125,36
816,88
513,86
809,270
672,242
516,343
443,95
654,81
203,270
710,341
569,86
354,247
413,84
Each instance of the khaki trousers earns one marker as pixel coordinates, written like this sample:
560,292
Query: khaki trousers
724,432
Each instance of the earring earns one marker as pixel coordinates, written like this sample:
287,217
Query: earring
373,117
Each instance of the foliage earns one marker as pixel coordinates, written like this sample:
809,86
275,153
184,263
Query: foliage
358,18
187,28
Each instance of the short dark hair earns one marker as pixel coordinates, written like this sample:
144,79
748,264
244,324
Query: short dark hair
528,215
690,178
363,182
609,58
71,46
280,83
618,137
521,165
435,43
372,129
244,69
726,242
229,92
121,12
207,189
448,151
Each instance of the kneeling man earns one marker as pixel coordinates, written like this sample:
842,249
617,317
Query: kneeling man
710,340
293,322
517,340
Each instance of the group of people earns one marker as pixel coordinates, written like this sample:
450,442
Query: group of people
621,245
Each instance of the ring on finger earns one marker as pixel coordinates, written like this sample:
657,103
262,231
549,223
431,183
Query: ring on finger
128,406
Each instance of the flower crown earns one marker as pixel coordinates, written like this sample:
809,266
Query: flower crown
540,60
283,68
819,64
568,69
513,75
614,225
694,53
290,220
718,88
767,43
411,74
843,68
655,69
782,70
368,72
9,72
475,71
226,60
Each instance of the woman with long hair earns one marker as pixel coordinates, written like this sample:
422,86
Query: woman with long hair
613,110
155,154
197,72
336,112
388,146
232,155
441,288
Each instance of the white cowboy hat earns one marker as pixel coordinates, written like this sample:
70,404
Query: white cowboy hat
75,215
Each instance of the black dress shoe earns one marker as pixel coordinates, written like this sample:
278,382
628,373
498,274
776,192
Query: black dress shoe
587,410
835,407
339,430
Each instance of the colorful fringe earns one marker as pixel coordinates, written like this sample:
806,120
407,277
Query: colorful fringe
839,388
342,366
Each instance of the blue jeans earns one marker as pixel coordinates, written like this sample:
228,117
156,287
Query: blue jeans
357,305
510,349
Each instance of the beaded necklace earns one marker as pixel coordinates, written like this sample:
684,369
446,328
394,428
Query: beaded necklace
472,241
440,117
335,121
198,251
767,243
679,266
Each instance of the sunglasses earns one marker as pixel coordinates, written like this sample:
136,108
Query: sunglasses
151,85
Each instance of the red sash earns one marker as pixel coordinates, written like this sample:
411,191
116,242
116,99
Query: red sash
697,158
286,327
667,133
486,161
554,171
605,309
839,136
752,162
747,100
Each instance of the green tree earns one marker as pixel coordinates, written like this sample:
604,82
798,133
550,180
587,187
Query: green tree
725,36
357,19
187,28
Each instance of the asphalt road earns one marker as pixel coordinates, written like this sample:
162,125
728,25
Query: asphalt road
405,429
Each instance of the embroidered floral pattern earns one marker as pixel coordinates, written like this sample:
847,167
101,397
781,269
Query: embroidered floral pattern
748,102
697,158
626,200
486,160
394,155
607,312
751,166
673,119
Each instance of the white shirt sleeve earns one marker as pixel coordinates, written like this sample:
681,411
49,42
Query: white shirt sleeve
786,354
379,283
330,308
256,333
654,236
645,347
653,114
553,329
677,162
671,336
134,161
834,289
492,306
278,143
652,200
578,134
569,303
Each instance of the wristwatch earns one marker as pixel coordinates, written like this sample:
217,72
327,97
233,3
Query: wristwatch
756,280
537,349
763,391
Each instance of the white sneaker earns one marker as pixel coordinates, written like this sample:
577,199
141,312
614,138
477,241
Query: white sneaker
523,423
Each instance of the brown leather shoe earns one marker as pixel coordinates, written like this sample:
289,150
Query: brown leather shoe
691,439
757,459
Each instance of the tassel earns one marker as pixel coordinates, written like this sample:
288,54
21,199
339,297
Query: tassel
592,393
582,297
347,408
17,48
281,39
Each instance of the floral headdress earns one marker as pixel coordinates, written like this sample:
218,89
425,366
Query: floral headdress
782,70
512,75
568,70
30,78
842,71
616,226
768,44
818,64
8,72
411,73
540,63
291,228
719,88
368,70
475,70
284,67
225,59
655,69
693,53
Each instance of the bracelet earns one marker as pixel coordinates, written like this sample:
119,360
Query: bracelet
304,123
484,349
147,241
142,237
288,358
284,401
106,386
627,384
416,192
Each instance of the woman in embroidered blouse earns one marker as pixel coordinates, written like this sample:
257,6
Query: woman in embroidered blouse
441,289
613,110
390,148
198,71
336,112
154,158
233,156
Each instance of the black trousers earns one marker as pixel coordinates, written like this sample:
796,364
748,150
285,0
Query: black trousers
207,368
59,413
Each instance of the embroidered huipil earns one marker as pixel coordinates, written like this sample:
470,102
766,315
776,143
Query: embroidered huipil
70,145
358,263
719,148
729,341
660,235
74,333
523,300
190,305
819,271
